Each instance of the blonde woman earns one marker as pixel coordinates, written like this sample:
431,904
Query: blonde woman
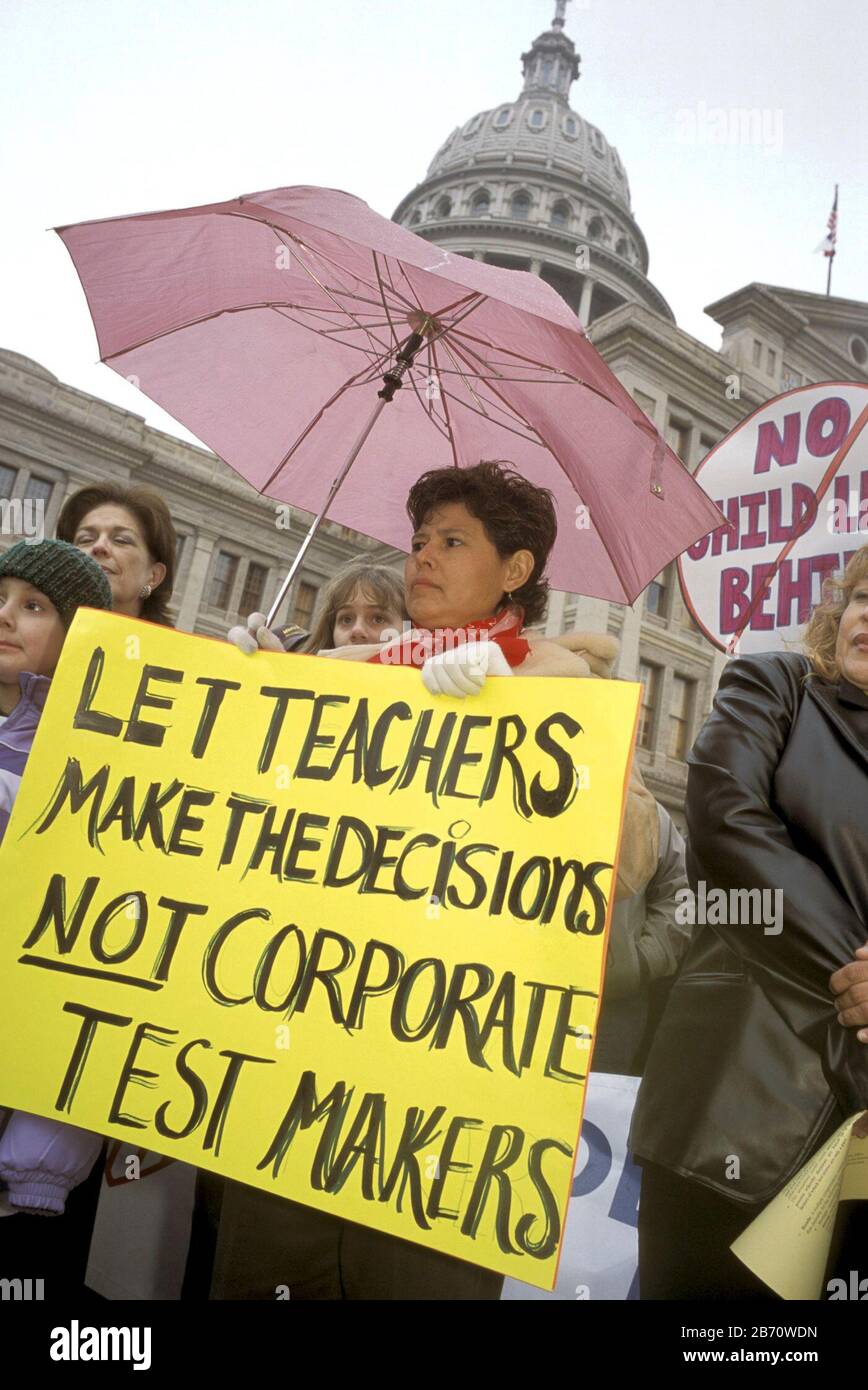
751,1069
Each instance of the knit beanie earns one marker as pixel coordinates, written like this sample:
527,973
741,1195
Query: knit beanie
60,571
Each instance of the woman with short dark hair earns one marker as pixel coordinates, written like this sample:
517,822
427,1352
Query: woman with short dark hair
516,516
476,570
129,532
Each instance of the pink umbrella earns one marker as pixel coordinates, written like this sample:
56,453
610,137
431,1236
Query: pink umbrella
263,323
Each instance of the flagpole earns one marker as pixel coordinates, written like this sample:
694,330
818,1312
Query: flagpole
833,241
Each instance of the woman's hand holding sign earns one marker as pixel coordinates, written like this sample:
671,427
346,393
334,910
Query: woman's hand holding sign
250,636
462,671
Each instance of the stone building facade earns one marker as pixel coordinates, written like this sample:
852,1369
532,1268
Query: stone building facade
528,184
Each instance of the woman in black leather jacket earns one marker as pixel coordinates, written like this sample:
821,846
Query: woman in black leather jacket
751,1071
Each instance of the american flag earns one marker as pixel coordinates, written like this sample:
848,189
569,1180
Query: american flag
827,245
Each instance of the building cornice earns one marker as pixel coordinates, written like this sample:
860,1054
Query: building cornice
754,301
689,364
822,308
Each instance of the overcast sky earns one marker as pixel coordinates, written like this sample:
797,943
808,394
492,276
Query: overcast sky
110,107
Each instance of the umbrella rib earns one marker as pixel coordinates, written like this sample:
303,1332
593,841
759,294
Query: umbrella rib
552,371
468,338
568,380
325,290
205,318
504,408
501,424
353,381
381,302
396,292
378,357
643,423
395,339
443,329
445,309
450,433
429,409
410,286
466,378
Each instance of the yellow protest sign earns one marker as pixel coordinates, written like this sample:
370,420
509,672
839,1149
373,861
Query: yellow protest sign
299,922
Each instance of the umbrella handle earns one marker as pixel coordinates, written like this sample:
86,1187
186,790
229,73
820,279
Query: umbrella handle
392,382
393,378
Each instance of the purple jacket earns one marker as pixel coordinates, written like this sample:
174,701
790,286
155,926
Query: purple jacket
40,1160
16,738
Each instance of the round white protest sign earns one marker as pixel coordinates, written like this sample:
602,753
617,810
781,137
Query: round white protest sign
792,481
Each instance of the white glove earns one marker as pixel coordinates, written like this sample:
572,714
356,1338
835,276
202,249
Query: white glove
462,670
254,634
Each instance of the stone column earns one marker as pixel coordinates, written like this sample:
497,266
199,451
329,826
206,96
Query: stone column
585,302
555,616
592,615
284,612
195,586
631,632
237,588
718,662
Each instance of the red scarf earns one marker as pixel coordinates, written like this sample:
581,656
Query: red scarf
414,648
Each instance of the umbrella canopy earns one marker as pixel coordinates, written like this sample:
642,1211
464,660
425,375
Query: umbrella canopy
264,325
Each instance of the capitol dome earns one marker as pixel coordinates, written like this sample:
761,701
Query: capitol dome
532,185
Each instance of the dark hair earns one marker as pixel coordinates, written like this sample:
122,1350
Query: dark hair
153,516
516,515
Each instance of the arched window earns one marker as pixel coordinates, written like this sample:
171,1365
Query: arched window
521,206
473,124
597,144
548,71
444,207
596,228
561,214
570,127
503,118
537,119
858,350
622,248
481,203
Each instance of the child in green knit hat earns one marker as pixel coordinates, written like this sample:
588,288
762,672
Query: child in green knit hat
41,586
42,1163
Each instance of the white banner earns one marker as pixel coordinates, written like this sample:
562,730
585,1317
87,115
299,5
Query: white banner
142,1230
599,1259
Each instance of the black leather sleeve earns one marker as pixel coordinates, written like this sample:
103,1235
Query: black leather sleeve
738,841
